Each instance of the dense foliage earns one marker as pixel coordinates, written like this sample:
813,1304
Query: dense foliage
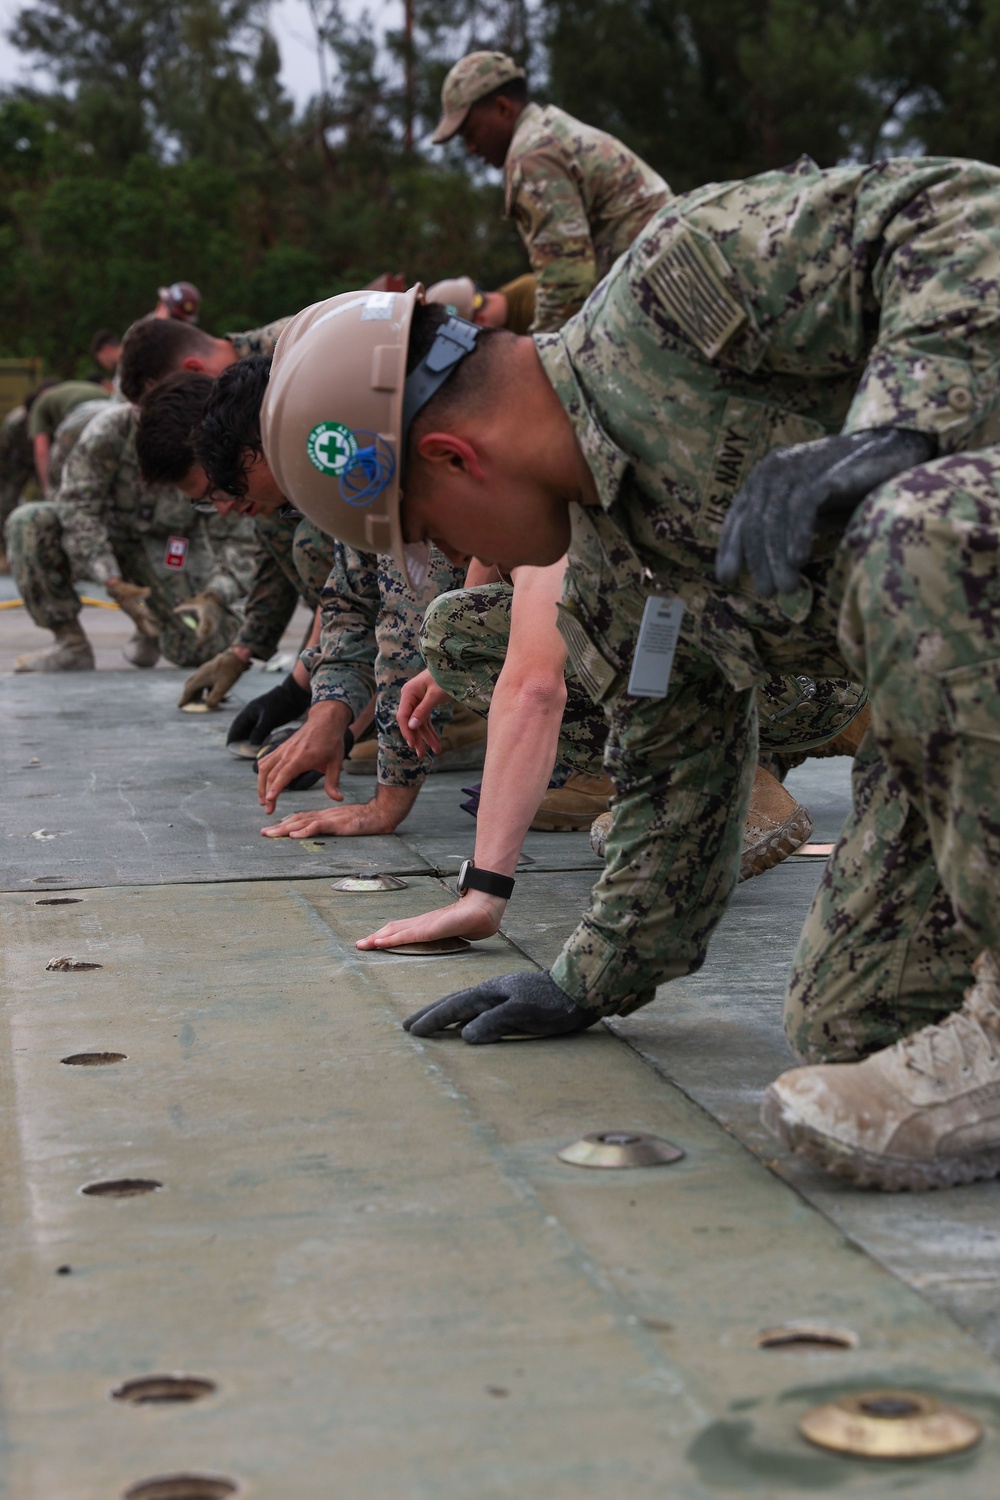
162,144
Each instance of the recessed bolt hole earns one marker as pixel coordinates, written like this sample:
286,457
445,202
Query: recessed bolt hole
155,1390
59,901
497,1390
64,1270
618,1138
802,1336
121,1187
182,1487
93,1059
889,1406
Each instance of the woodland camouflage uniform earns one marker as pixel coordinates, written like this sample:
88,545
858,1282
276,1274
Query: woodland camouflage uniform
464,641
370,642
746,316
106,522
579,197
66,437
294,559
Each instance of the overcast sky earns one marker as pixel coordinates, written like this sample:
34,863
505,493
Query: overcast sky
289,22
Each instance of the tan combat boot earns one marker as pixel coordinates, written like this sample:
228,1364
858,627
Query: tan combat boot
776,825
573,805
463,747
924,1113
600,828
70,652
142,650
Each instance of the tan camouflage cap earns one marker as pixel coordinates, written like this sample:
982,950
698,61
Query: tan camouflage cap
472,78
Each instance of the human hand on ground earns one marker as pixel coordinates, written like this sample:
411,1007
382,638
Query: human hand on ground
528,1003
213,679
317,746
476,915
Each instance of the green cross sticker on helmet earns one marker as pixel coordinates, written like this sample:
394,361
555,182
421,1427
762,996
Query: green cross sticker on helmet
331,447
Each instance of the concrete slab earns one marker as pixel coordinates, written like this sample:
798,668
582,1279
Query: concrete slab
368,1244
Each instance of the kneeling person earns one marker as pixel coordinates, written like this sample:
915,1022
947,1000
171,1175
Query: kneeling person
160,562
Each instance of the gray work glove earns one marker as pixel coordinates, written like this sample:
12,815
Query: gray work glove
530,1004
213,679
207,610
772,523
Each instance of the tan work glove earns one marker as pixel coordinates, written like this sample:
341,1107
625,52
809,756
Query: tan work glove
131,599
207,609
214,679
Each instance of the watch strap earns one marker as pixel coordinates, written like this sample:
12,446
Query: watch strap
471,877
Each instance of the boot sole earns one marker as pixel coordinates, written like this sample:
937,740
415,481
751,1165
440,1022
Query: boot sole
891,1174
789,836
77,666
564,822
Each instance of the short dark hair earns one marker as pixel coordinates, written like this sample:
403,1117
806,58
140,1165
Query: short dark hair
514,88
102,337
155,347
167,418
470,384
228,437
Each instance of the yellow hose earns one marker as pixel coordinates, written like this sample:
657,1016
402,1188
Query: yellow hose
84,599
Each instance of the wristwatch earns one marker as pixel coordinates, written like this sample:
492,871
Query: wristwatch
471,879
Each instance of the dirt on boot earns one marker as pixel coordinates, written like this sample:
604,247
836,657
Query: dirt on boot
923,1113
776,825
70,652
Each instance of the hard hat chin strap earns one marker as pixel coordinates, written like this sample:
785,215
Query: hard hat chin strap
453,341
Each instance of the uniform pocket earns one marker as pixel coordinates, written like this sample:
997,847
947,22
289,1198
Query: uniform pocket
972,700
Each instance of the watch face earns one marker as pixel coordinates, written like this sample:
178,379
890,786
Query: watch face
463,872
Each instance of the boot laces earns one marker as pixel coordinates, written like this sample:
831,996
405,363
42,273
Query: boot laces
961,1037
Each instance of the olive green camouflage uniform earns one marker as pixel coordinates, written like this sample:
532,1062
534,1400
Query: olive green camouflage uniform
464,640
579,197
66,437
370,643
17,463
294,559
746,316
107,523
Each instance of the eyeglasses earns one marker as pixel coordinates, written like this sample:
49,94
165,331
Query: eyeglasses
205,503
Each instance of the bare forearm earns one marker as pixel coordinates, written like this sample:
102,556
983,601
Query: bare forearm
521,751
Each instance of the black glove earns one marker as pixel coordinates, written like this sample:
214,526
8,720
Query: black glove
771,524
530,1003
257,718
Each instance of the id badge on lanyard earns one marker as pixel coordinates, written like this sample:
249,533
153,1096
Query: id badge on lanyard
654,651
176,553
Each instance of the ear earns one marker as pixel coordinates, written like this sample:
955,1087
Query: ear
194,362
455,453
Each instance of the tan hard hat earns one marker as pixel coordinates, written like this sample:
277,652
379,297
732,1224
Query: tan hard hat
456,292
337,407
473,77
